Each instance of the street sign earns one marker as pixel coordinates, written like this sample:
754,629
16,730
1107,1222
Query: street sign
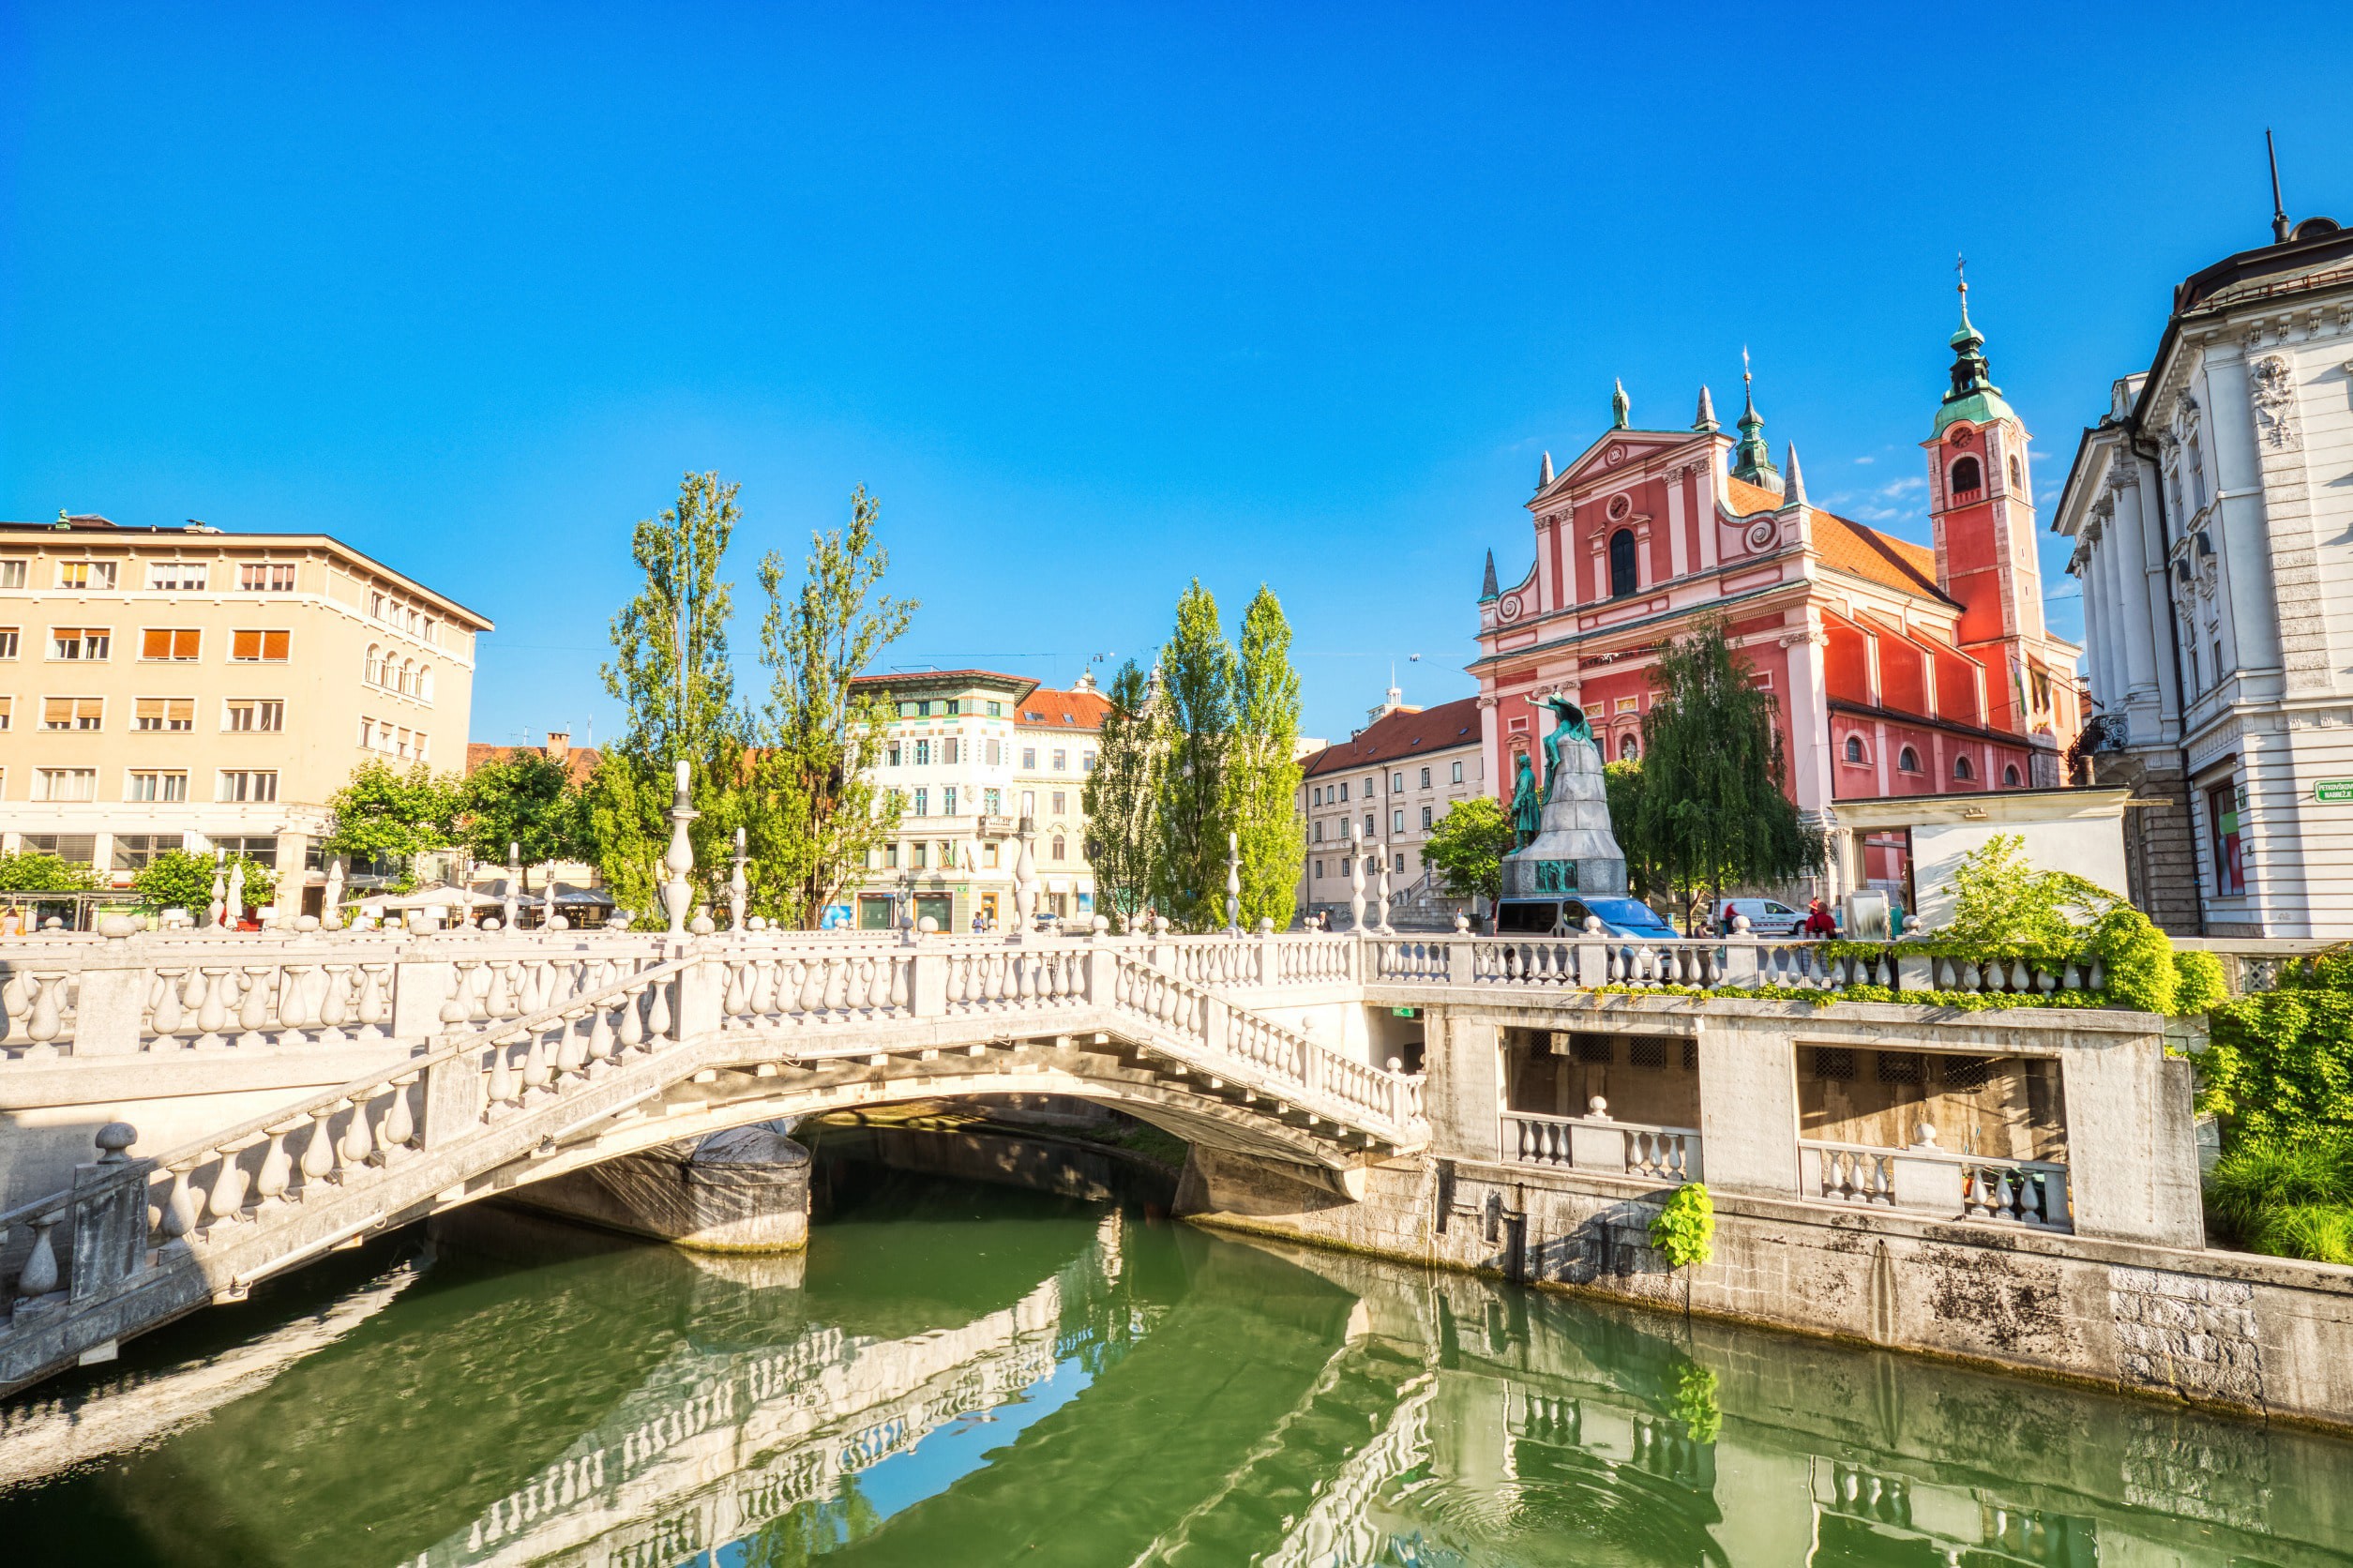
2336,792
1402,1012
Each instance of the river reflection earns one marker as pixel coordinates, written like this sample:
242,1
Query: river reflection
958,1373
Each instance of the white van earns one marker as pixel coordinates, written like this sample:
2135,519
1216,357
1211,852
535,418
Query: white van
1766,917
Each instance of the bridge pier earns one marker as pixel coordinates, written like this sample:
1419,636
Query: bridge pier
741,1190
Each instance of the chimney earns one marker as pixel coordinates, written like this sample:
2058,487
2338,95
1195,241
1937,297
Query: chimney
559,744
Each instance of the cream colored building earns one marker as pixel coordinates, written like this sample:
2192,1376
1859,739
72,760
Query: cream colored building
166,689
1381,791
970,753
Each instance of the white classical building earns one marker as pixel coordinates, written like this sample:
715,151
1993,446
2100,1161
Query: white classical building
2213,510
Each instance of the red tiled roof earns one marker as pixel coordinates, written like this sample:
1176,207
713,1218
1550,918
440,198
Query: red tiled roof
1397,736
1746,499
1850,547
580,760
1075,709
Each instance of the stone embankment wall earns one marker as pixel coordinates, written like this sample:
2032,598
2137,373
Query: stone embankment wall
2267,1335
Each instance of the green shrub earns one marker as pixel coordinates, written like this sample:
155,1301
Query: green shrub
184,880
1685,1230
2139,958
43,874
2278,1066
2321,1233
2197,983
2260,1176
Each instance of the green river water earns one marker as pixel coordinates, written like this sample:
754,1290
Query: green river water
959,1374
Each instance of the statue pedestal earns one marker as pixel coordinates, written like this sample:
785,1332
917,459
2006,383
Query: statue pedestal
1574,854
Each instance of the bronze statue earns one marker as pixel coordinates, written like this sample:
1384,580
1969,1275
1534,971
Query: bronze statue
1527,810
1568,725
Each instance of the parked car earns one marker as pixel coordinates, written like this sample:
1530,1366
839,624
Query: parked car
1565,917
1766,917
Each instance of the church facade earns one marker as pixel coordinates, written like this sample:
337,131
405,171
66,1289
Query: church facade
1898,669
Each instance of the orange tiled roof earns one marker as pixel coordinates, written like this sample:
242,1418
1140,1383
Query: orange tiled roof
1746,499
580,760
1075,709
1394,737
1847,546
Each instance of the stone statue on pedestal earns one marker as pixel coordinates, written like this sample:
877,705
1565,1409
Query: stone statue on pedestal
1527,804
1572,852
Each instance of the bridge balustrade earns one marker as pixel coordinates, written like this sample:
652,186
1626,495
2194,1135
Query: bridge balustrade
1931,1181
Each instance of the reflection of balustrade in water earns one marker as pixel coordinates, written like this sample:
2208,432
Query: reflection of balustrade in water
1601,1145
1933,1182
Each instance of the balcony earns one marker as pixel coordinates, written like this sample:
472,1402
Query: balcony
995,825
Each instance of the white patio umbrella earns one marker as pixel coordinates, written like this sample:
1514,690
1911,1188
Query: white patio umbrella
437,897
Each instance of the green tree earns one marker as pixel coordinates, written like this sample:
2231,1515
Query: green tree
181,879
815,810
1198,670
671,672
41,872
1121,797
1710,812
1621,787
1467,847
1261,774
381,814
525,799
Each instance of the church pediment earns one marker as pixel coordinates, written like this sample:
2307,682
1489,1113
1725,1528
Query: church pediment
1617,453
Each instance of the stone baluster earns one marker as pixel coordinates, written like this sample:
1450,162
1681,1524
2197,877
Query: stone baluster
399,1122
182,1208
253,1006
40,1276
318,1154
225,1203
359,1139
503,1088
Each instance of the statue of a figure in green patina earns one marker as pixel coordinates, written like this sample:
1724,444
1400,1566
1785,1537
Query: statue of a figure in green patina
1568,724
1527,805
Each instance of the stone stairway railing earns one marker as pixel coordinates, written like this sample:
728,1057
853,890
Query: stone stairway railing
154,1237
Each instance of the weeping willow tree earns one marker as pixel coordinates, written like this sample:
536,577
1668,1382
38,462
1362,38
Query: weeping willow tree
1710,811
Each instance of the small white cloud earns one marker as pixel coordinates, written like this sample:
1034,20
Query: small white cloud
1866,459
1900,487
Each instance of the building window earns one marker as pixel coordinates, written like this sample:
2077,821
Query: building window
923,803
1058,802
1629,749
248,784
1344,791
1062,760
906,710
988,857
176,576
923,754
2221,816
996,752
11,574
1317,831
266,577
954,705
1370,785
1029,759
1319,870
2010,775
7,642
1059,847
993,802
1854,749
996,710
82,644
890,855
269,647
923,853
7,712
159,642
1397,821
947,751
1967,477
85,575
1397,783
136,852
1368,824
947,801
163,713
144,786
1426,778
1029,802
66,784
255,714
73,713
1401,864
890,754
1907,760
1961,768
1622,571
1086,761
2017,473
1425,819
1458,779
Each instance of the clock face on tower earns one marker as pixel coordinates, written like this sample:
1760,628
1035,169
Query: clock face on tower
1961,438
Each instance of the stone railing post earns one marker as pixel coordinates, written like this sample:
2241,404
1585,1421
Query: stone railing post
1456,970
112,1009
452,1100
927,984
1215,1023
701,998
1915,972
420,984
109,1216
1740,958
1095,976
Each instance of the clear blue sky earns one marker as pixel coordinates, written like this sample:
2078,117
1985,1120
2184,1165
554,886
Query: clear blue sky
1096,298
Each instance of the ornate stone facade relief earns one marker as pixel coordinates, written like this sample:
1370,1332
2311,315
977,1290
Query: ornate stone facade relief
2272,385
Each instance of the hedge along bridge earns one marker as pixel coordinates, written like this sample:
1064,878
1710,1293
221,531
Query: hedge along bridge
2017,1185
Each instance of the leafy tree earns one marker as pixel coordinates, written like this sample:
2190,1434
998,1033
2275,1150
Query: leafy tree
2278,1064
1710,813
815,809
1262,775
1684,1231
671,672
1121,797
39,872
1622,788
380,813
1198,666
1467,847
181,879
526,799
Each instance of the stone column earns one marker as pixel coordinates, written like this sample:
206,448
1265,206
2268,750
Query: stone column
1463,1094
1748,1107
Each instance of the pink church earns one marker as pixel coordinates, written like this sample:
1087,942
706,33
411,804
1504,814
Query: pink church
1899,670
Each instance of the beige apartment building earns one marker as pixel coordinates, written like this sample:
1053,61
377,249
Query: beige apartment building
166,689
970,753
1381,792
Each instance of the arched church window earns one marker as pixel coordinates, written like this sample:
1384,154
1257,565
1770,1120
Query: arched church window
1629,749
1622,573
2010,775
2017,473
1854,748
1961,768
1907,760
1967,474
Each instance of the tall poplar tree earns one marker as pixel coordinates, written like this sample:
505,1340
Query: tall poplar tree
1121,797
670,672
1710,813
1262,774
1198,671
815,809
